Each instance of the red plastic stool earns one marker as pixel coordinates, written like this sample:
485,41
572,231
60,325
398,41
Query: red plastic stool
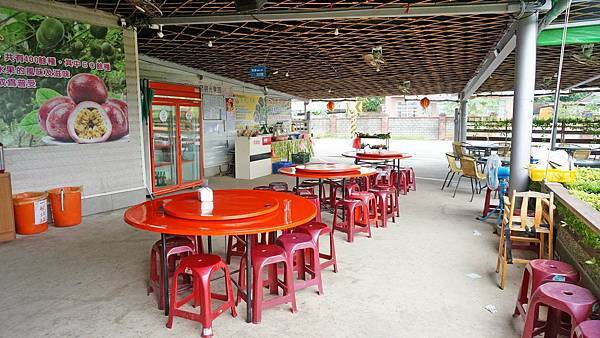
370,200
267,256
278,186
334,187
177,248
538,272
304,191
571,299
587,329
236,245
316,230
315,200
201,267
348,225
387,201
411,179
301,246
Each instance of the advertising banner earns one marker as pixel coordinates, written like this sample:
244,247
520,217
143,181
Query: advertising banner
61,82
250,110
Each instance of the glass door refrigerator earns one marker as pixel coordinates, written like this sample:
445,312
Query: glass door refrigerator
176,138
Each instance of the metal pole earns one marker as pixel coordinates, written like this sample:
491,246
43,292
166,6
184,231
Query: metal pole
523,102
249,295
456,125
557,93
463,120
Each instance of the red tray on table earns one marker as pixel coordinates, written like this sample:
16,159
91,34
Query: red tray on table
226,205
332,168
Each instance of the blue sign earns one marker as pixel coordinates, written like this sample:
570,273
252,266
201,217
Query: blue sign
258,72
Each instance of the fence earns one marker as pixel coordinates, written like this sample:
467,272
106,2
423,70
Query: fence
568,130
427,128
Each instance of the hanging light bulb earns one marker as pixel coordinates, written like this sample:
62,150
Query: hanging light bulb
336,32
276,72
160,33
210,44
329,91
287,74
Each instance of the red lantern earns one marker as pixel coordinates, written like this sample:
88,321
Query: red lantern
424,103
330,106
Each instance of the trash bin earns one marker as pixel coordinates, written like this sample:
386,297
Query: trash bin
31,212
66,206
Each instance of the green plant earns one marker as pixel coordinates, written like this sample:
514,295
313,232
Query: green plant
586,187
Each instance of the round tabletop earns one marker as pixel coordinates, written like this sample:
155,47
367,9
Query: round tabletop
291,171
377,155
226,205
150,216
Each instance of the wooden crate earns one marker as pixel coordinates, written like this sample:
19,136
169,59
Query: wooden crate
7,219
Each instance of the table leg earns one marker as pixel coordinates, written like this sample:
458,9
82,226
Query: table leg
397,163
320,190
165,272
297,184
209,240
343,197
248,279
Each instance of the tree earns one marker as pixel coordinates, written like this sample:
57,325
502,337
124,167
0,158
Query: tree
371,103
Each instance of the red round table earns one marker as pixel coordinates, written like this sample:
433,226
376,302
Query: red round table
378,156
157,216
325,174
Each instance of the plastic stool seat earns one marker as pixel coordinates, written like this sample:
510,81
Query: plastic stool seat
267,256
348,225
316,230
587,329
301,245
201,267
177,248
575,301
538,272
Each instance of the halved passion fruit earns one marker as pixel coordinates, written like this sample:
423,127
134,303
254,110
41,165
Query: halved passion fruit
89,123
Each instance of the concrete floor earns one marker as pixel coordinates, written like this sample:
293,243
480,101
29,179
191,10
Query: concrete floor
409,280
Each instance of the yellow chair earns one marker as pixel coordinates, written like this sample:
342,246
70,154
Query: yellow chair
468,165
457,147
453,169
519,225
582,154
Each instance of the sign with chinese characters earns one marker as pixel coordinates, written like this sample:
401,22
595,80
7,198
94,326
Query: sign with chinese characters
61,82
258,72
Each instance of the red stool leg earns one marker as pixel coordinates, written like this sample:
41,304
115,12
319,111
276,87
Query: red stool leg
522,297
205,312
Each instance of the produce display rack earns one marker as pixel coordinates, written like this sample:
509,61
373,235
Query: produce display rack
384,137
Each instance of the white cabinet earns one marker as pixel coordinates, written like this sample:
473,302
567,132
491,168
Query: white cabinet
252,156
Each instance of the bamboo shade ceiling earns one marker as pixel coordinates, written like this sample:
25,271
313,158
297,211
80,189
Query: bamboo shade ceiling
436,54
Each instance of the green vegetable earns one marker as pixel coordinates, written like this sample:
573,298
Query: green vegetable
50,33
98,32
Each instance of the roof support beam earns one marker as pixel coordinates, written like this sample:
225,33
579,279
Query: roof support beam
591,79
332,14
502,50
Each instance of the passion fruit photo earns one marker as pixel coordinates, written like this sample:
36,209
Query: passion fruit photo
88,107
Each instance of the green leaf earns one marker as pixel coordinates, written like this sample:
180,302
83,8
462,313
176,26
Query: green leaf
44,94
31,125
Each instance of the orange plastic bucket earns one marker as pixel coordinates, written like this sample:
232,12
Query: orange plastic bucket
66,206
31,212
